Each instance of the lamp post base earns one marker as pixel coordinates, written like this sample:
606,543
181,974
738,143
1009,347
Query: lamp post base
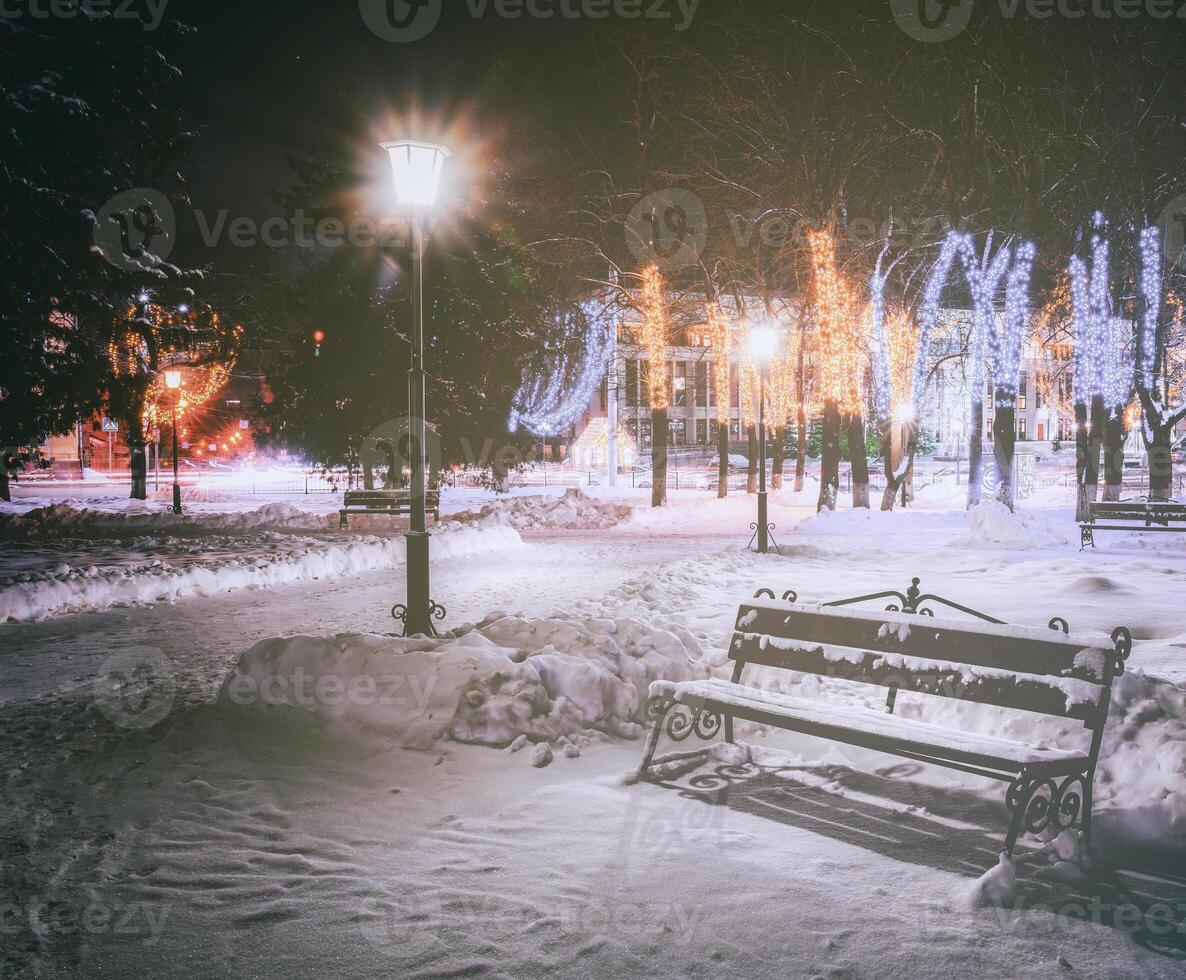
763,524
420,611
176,508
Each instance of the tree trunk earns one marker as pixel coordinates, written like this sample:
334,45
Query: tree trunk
139,468
1114,437
779,456
723,458
1004,445
1161,467
859,461
890,454
1082,455
801,454
829,483
751,479
5,492
658,457
976,452
368,473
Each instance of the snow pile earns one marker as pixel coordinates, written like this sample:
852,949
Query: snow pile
507,680
195,493
994,524
70,588
575,509
63,520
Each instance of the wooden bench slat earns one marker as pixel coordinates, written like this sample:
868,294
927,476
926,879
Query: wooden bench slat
1060,696
864,727
1008,648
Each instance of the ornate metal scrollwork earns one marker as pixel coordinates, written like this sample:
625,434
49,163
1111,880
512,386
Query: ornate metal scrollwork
435,611
764,594
790,596
656,707
1047,803
1122,638
1057,623
685,719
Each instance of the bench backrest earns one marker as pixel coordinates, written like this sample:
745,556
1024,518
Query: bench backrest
1138,509
1007,666
385,496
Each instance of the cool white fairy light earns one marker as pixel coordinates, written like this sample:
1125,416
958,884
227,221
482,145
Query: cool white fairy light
1102,369
878,347
1007,370
1151,283
550,405
928,309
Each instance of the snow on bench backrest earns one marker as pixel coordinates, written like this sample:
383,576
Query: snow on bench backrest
1008,666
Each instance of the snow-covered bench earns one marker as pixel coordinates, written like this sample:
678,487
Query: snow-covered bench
385,502
1131,515
905,649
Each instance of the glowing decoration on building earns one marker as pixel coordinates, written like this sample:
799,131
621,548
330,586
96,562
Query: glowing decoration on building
655,332
841,353
551,403
591,448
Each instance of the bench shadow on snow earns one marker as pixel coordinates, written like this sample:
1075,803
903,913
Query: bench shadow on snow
958,832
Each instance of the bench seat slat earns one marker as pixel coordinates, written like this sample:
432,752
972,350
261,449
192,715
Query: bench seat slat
1008,648
1066,697
865,727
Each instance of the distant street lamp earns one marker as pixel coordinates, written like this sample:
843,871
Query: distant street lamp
416,167
763,342
173,383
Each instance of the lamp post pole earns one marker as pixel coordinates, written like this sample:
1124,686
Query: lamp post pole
176,483
763,525
418,615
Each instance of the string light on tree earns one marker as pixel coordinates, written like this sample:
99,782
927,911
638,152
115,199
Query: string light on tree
841,371
720,348
653,304
550,403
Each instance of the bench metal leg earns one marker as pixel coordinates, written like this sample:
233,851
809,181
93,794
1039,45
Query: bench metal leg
342,520
658,710
1043,803
1085,537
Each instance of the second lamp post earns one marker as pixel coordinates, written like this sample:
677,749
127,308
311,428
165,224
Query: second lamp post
763,342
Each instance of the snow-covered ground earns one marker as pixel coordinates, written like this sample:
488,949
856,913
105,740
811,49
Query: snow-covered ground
220,760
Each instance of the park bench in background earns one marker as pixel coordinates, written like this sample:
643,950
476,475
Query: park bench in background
904,648
1131,515
394,502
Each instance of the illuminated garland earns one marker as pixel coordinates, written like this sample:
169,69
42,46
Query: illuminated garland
780,383
551,403
1102,369
983,278
719,343
902,347
841,373
879,348
1007,372
655,335
956,243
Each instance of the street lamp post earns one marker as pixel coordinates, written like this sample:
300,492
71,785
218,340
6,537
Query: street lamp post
173,383
416,167
763,343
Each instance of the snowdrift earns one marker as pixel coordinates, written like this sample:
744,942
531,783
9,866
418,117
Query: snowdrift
574,509
65,521
545,679
77,588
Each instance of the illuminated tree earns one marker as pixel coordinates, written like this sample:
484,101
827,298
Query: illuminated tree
841,364
655,339
149,338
